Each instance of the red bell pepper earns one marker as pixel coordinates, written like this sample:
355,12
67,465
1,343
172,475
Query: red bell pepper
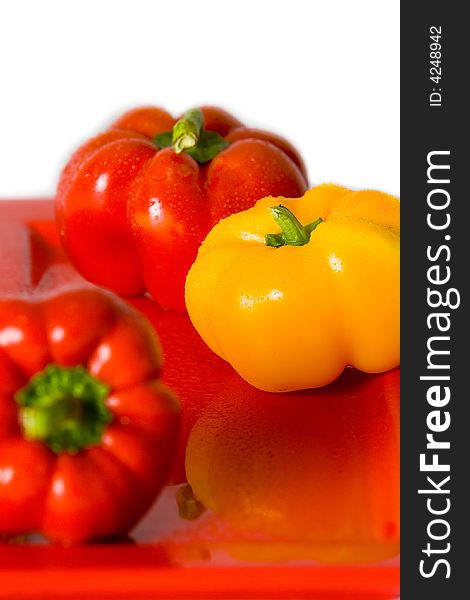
135,202
87,431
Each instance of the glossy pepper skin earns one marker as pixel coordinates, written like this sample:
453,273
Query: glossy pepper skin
134,203
324,295
87,431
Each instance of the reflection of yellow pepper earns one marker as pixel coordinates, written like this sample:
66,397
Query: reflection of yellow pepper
290,309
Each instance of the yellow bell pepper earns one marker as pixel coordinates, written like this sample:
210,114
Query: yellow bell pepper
292,291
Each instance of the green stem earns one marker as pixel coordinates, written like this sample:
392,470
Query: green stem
293,233
64,407
187,130
189,507
188,135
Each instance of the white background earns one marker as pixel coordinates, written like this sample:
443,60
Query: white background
323,73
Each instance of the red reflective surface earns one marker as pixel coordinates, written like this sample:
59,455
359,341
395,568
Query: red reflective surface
165,556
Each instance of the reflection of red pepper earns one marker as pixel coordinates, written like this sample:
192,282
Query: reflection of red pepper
88,443
134,203
191,369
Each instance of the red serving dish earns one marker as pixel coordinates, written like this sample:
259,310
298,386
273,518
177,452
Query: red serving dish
165,556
